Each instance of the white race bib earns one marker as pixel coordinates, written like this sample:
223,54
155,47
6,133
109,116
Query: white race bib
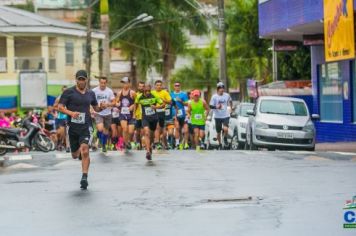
125,110
149,111
115,112
160,110
180,113
198,116
80,119
168,112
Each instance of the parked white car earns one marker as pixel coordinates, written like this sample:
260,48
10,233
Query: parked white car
211,135
280,123
242,119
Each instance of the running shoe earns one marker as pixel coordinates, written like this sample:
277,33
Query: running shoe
186,146
148,156
104,150
197,148
181,146
84,183
159,146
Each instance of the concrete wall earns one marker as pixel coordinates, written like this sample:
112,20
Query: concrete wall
51,46
27,46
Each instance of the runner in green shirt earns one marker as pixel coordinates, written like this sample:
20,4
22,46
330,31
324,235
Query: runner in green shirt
197,111
149,104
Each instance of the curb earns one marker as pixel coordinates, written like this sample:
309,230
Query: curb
19,157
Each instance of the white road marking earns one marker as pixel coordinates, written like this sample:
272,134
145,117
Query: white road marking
21,166
19,157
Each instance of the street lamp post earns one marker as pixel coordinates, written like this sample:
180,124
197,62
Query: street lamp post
222,45
139,19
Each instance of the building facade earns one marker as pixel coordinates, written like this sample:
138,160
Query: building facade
333,83
30,43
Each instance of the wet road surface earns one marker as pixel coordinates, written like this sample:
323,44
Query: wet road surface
179,193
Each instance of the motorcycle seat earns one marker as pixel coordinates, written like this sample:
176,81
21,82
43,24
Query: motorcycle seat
11,130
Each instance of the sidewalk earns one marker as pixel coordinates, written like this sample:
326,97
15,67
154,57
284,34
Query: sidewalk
336,147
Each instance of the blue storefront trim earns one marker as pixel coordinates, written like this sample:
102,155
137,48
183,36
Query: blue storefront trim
333,131
275,17
8,102
279,15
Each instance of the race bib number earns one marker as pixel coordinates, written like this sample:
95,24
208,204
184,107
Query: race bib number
149,111
180,113
198,116
80,119
115,112
125,110
168,112
160,110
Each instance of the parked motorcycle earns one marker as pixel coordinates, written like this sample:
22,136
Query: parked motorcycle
28,135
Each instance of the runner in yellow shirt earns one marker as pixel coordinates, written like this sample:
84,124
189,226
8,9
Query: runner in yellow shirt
166,98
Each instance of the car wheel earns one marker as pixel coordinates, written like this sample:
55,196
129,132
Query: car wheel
3,151
252,145
235,143
247,146
241,145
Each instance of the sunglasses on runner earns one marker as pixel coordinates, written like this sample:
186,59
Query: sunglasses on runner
177,85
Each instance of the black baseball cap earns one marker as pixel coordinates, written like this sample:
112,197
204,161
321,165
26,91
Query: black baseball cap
81,74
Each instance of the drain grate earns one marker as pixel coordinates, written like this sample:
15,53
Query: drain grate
239,199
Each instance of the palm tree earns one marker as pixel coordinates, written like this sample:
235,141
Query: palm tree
140,45
248,55
180,17
203,72
159,43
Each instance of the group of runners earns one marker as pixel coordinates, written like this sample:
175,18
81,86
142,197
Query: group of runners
148,118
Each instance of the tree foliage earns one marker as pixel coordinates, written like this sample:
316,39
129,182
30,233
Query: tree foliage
203,71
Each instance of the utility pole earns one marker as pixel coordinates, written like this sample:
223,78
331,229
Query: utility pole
222,45
104,16
274,61
88,43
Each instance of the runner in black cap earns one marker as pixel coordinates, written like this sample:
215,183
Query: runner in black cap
76,102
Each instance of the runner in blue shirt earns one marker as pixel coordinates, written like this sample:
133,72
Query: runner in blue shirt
181,100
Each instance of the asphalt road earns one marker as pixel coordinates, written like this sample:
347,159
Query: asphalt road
179,193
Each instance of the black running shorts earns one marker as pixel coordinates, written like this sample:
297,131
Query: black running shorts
78,136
